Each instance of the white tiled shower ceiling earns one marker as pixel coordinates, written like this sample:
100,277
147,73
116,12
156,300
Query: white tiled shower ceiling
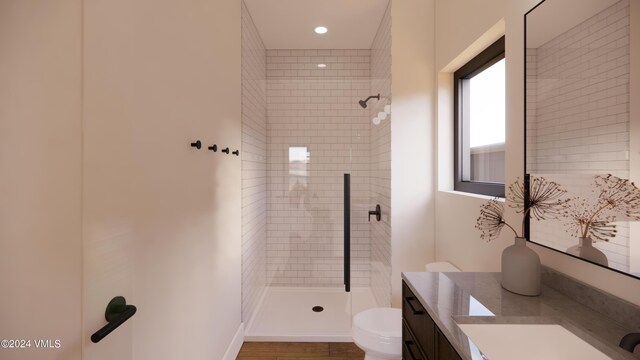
578,116
316,132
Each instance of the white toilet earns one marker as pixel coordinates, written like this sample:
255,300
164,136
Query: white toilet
378,331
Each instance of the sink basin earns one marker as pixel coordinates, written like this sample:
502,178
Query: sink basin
529,341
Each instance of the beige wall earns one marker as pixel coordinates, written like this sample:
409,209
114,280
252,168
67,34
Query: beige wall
457,239
40,169
412,138
162,220
109,200
452,39
101,193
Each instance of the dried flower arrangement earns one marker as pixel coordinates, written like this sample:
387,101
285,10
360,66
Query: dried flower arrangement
545,201
618,199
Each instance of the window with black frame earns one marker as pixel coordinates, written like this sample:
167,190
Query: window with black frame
479,115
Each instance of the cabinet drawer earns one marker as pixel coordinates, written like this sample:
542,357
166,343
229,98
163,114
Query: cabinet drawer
420,323
410,348
444,348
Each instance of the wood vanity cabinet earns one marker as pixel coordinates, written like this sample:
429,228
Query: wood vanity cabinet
421,337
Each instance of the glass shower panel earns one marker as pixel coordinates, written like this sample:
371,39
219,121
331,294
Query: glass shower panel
317,132
311,115
360,198
306,217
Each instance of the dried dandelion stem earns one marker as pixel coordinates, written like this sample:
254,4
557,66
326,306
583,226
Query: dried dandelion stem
618,195
514,230
544,200
585,230
617,199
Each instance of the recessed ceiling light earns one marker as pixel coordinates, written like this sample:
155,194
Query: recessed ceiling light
321,30
322,66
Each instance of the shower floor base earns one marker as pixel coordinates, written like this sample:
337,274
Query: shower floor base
285,314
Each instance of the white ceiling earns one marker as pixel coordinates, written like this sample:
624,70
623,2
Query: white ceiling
289,24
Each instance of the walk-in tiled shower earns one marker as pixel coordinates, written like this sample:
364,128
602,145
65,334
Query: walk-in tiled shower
302,130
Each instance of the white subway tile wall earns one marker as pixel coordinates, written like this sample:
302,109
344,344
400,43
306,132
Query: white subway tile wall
381,163
254,167
578,115
316,132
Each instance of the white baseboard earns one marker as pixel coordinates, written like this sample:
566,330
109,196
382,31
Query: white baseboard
236,343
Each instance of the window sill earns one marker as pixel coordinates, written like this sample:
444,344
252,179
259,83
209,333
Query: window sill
471,195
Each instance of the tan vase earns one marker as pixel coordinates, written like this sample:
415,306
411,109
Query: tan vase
521,269
585,250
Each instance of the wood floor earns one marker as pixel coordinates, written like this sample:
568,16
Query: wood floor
302,351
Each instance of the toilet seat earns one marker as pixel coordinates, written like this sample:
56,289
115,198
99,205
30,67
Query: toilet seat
378,332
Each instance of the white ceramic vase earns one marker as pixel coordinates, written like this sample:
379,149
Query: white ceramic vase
585,250
521,269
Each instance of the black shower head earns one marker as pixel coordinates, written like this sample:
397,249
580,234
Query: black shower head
363,103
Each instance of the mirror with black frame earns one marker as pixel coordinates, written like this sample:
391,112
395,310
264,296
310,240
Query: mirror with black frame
581,122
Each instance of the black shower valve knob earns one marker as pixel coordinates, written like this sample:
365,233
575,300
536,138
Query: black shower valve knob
197,144
225,150
377,212
236,153
213,148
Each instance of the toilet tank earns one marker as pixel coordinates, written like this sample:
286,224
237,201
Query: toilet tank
442,266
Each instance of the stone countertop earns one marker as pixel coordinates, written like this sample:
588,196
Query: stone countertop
471,298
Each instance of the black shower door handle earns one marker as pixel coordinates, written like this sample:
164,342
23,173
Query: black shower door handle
347,232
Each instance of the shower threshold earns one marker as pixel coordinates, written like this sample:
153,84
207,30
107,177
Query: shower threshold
287,314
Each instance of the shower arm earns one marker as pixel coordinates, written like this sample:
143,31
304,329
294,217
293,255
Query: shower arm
377,97
363,103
